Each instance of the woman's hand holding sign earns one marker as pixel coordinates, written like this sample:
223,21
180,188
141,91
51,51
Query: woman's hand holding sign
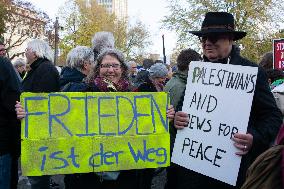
20,110
171,112
243,142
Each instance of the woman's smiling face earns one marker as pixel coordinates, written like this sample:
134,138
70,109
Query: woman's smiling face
110,68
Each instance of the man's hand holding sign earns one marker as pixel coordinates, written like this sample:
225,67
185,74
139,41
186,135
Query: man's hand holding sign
241,141
230,113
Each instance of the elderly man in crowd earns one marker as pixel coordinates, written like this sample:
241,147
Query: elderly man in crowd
132,71
80,61
102,40
20,67
217,37
42,77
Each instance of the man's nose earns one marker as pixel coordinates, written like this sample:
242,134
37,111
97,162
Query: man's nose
208,42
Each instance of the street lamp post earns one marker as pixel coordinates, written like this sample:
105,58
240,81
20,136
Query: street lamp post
56,27
74,31
164,50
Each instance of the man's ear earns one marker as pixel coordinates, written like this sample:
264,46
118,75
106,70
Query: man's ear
231,40
85,65
269,81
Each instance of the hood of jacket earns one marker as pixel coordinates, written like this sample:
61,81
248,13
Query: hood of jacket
70,75
182,76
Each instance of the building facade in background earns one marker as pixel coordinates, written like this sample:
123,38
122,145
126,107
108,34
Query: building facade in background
118,7
23,25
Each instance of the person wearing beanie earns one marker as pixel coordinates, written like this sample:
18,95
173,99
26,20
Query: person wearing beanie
156,80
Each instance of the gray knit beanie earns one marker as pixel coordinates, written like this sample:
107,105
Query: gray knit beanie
158,70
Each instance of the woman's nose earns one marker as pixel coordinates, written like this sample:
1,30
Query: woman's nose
110,69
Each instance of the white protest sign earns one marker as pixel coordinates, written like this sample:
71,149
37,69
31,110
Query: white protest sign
218,100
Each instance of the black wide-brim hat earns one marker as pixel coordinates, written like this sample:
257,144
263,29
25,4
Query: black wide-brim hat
219,22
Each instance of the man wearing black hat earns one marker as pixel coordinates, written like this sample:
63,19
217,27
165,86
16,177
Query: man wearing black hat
217,36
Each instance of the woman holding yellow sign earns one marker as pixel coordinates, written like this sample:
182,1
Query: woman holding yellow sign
109,75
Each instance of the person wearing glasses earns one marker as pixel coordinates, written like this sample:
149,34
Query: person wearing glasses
217,36
41,77
110,74
132,71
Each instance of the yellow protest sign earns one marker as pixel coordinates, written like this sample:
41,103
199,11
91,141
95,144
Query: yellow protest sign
65,133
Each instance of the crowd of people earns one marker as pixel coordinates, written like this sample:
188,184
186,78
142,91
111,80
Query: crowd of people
103,68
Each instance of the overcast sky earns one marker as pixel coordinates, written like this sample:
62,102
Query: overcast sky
150,12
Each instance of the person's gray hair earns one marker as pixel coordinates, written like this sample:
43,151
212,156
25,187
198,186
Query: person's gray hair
102,40
130,63
158,70
267,61
19,62
77,57
41,49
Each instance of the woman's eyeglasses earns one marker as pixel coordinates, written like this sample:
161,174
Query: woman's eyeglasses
107,66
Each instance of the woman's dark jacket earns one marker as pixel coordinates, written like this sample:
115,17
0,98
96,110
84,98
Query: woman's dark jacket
9,94
264,122
147,86
127,179
43,77
71,80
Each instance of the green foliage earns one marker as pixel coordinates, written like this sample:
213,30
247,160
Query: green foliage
260,19
81,22
3,17
137,41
